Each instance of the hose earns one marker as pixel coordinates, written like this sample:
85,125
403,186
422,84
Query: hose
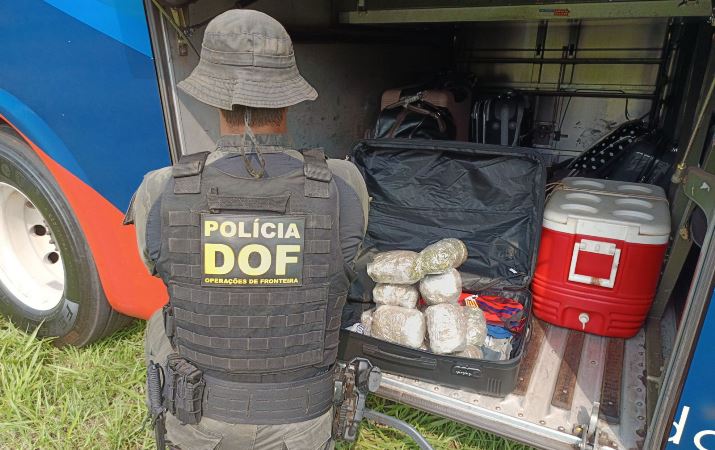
399,425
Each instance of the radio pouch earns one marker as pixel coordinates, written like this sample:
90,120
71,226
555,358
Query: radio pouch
184,390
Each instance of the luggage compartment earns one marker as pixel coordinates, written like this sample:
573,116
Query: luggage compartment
586,75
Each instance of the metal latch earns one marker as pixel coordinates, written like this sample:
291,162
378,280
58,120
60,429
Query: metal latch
588,433
353,382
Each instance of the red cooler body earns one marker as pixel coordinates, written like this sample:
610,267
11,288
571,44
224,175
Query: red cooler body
602,248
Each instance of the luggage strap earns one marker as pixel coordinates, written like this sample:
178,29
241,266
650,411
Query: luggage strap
317,173
187,173
505,118
504,125
519,118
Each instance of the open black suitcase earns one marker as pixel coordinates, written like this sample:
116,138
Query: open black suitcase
490,197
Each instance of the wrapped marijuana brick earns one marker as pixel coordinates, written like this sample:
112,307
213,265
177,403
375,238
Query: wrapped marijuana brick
395,267
398,325
471,351
476,325
443,255
446,327
404,295
442,288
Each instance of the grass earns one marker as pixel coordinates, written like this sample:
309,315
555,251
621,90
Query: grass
93,398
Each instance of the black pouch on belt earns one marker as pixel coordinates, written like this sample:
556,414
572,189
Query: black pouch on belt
169,326
183,390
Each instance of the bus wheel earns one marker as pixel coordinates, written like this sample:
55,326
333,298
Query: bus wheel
47,274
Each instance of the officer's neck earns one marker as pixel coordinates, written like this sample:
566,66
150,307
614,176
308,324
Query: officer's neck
226,128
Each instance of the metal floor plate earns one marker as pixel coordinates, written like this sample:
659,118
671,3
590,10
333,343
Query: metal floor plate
569,372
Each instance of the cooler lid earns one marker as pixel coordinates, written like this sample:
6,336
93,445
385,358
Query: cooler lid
632,212
490,197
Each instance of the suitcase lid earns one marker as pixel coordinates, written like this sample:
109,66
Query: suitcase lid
630,212
488,196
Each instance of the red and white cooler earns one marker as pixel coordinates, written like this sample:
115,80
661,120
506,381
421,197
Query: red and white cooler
602,249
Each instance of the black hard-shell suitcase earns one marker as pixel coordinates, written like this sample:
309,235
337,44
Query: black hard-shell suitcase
501,119
488,196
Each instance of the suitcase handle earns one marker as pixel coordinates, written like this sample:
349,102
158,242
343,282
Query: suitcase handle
420,361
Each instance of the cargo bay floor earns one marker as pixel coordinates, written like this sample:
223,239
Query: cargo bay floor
563,375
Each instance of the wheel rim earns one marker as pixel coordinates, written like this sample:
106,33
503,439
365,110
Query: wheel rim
31,267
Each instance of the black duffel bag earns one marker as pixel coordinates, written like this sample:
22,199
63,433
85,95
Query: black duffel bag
414,118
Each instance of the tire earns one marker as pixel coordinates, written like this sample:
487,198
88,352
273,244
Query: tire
48,278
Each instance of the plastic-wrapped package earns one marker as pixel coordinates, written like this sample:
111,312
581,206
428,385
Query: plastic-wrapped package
476,325
442,288
497,349
404,295
425,343
446,328
398,325
356,328
395,267
366,321
443,255
471,351
464,255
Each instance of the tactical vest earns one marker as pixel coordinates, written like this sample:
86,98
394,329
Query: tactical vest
257,285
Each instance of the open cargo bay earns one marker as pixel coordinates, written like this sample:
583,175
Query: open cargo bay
589,67
562,377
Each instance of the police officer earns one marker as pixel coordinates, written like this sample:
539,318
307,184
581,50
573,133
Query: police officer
254,242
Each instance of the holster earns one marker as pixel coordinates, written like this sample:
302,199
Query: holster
183,390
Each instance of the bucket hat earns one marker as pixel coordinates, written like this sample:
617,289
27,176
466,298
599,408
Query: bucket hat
247,59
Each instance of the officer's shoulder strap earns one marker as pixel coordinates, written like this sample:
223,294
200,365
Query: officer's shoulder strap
317,173
187,173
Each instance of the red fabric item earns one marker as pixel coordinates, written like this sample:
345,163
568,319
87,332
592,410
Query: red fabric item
500,311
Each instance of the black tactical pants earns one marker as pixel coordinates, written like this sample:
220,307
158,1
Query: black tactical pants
211,434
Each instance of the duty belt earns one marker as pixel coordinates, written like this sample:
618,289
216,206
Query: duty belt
190,395
268,403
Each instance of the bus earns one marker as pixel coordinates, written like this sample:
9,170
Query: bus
88,105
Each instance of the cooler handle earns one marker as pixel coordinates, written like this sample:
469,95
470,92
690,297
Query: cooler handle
420,361
602,248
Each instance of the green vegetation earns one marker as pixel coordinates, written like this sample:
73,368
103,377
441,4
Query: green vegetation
93,398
